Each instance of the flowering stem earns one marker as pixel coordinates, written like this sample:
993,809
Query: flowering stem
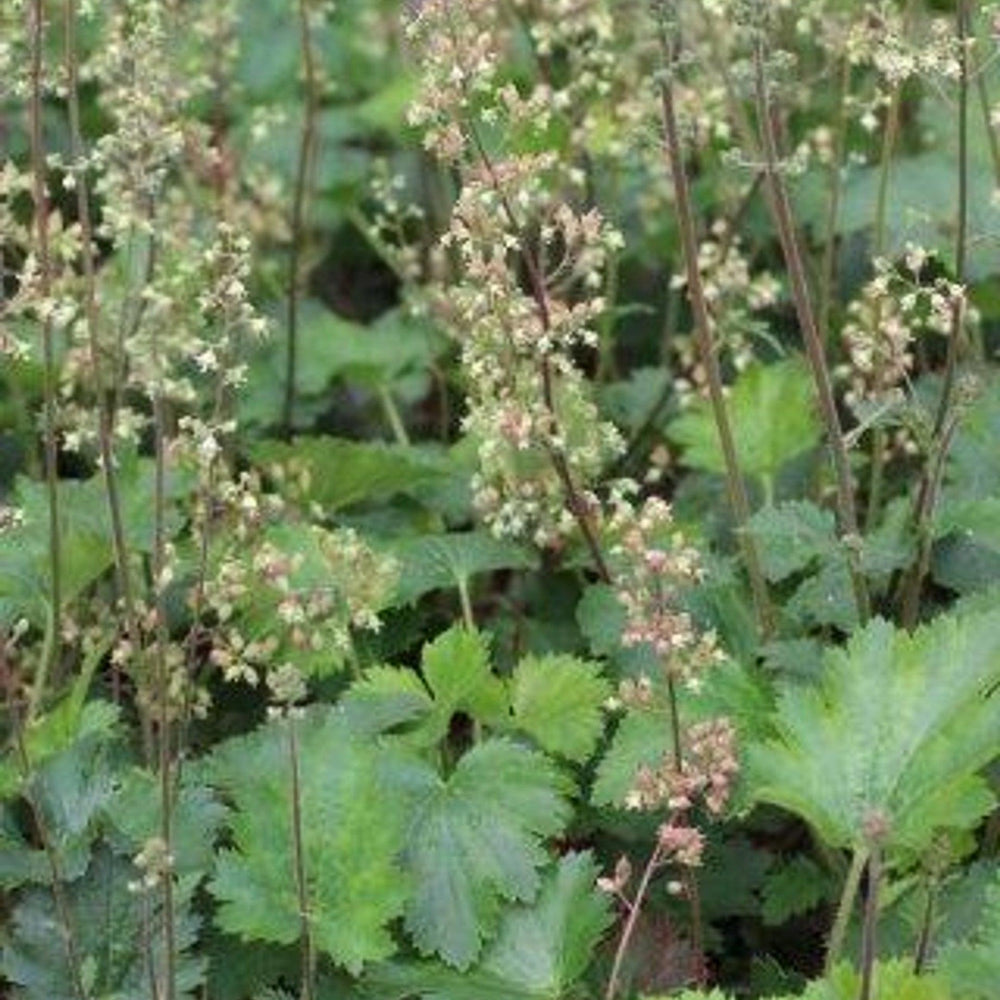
675,724
104,413
307,143
782,212
40,196
945,419
833,207
930,487
877,470
635,907
163,684
577,505
736,488
962,212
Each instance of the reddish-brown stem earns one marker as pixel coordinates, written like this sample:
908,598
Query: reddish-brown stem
635,908
40,196
781,211
105,413
869,928
945,419
307,144
736,488
536,281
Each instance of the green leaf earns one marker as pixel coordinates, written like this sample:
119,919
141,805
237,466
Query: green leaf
631,403
396,346
899,726
792,536
456,667
116,934
86,550
641,739
386,697
921,201
892,980
792,888
69,786
967,524
343,473
643,736
352,833
442,562
557,701
972,967
539,953
773,416
476,838
601,617
457,677
827,598
196,815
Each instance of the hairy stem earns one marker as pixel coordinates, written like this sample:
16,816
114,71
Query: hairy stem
307,145
869,944
735,485
876,473
40,196
945,418
961,213
847,897
392,416
463,595
833,206
927,495
922,951
782,212
105,413
633,915
165,756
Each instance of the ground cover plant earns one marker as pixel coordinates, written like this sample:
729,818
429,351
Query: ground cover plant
499,500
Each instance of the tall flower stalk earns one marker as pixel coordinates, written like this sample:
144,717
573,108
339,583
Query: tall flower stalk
306,158
781,211
35,12
736,487
105,413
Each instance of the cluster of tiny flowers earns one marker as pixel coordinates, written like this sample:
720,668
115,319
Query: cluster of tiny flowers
526,269
287,688
892,310
278,604
155,863
878,38
654,565
734,295
182,697
708,770
11,518
460,46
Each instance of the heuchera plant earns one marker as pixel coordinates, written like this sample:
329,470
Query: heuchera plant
499,500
